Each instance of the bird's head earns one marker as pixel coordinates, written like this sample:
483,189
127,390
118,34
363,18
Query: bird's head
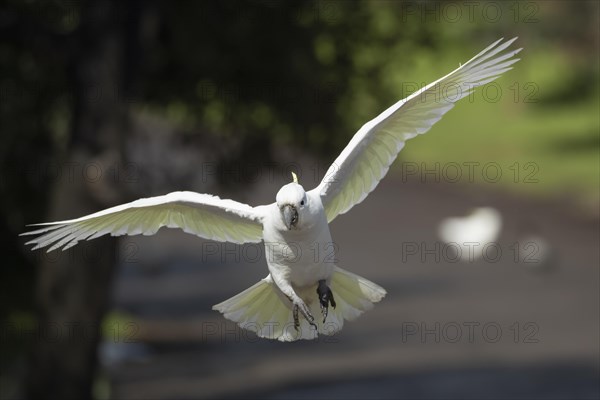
291,201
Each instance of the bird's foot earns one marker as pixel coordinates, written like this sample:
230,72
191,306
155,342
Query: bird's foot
325,298
300,306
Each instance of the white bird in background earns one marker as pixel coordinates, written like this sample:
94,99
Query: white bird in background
298,221
472,234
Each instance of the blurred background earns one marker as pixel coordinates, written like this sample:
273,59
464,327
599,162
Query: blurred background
104,102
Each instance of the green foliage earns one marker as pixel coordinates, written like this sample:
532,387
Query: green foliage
309,74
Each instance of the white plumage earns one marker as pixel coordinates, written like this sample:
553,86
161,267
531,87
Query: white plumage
368,156
297,283
472,234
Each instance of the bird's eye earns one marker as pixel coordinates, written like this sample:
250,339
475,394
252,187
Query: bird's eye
302,203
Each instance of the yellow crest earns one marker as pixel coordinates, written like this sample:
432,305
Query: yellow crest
294,177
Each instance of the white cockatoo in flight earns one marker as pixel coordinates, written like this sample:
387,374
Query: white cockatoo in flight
284,304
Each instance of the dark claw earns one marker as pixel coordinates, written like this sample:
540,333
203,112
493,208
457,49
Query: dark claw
296,319
325,298
305,312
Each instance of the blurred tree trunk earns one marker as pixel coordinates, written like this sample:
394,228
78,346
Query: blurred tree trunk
73,286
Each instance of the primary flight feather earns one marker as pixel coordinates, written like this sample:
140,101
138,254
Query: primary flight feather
297,284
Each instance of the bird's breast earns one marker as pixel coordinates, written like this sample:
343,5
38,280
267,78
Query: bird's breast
305,256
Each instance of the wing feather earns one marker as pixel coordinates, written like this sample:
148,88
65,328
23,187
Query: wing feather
372,150
200,214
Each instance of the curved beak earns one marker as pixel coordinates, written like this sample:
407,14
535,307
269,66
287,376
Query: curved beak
290,216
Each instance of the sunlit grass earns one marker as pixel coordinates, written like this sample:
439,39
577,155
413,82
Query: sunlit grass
540,150
543,147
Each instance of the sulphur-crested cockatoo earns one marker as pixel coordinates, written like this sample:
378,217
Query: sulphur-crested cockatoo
298,284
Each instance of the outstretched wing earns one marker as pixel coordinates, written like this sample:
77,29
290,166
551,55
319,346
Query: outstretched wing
200,214
368,156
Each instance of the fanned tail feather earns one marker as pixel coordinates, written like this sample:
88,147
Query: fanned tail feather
263,309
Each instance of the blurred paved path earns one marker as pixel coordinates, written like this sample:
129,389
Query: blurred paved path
541,336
